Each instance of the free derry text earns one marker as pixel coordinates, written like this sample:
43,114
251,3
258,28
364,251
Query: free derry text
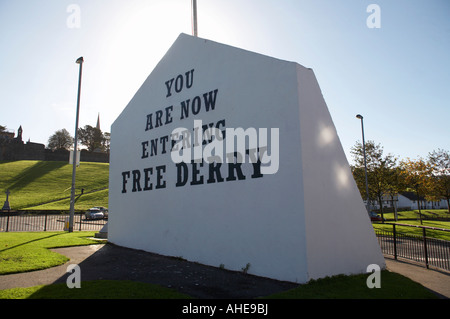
206,156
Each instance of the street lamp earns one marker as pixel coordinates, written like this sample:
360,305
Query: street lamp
79,61
359,116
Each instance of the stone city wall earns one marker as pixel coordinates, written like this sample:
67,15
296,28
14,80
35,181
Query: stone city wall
35,151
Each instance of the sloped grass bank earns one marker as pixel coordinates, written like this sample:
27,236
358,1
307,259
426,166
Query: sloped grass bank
42,185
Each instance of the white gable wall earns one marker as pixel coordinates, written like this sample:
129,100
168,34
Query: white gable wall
256,221
281,224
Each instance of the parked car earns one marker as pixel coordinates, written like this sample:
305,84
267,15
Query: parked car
96,213
375,217
104,211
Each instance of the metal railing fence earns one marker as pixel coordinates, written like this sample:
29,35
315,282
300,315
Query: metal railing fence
398,243
46,221
418,247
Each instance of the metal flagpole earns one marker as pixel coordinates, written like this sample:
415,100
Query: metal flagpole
194,17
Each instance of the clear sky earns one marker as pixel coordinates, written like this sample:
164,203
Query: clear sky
396,75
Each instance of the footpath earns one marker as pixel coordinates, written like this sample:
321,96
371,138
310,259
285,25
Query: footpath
436,280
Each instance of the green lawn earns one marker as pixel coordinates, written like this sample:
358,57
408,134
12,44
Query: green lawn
27,251
411,218
414,214
33,184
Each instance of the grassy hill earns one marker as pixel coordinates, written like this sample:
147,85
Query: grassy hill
40,185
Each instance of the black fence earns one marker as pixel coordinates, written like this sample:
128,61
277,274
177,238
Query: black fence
398,243
46,221
418,247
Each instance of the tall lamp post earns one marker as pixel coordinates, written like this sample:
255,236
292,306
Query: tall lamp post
74,159
359,116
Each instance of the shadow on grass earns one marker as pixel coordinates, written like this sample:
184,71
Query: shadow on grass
32,173
115,263
31,241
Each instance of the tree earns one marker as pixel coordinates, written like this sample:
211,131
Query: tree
382,174
107,141
439,186
396,184
416,174
60,140
92,138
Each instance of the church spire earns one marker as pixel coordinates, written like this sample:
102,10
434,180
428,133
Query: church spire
98,121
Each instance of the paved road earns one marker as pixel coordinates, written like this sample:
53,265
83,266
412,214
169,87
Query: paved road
47,222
